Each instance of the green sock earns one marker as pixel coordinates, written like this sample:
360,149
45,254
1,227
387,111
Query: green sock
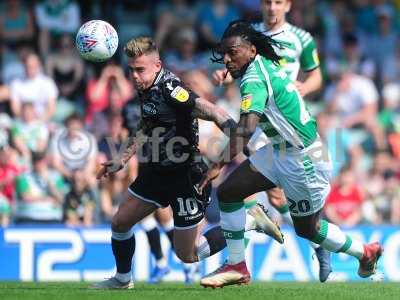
249,204
283,209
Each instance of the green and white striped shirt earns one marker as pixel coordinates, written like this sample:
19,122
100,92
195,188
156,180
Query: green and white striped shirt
266,89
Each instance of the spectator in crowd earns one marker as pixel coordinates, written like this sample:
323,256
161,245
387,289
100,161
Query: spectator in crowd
344,202
8,172
391,67
110,86
67,69
213,18
170,17
343,150
386,37
29,134
389,117
40,193
74,148
16,23
36,88
381,189
4,97
13,63
111,144
250,9
184,57
112,189
80,202
55,17
352,58
354,99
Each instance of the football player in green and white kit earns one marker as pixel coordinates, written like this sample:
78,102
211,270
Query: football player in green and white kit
297,162
298,51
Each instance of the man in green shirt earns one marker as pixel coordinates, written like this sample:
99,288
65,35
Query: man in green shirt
40,192
297,161
298,51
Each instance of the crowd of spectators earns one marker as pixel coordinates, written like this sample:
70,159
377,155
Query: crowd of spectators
60,116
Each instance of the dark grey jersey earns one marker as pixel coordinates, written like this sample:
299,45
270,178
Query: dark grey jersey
167,121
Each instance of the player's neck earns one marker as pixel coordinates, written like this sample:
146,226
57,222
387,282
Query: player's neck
275,26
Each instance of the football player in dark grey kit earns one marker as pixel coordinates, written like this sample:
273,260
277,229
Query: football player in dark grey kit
170,165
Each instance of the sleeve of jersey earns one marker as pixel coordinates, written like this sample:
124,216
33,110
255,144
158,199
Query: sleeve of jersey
254,95
309,59
179,96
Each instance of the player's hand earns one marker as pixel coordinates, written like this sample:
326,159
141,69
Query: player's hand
109,167
222,76
211,174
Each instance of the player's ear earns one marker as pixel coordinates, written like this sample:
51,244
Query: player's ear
288,6
158,63
253,51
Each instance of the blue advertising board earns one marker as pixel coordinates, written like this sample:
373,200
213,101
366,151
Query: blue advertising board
37,253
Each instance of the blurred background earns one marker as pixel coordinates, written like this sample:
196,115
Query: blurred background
60,116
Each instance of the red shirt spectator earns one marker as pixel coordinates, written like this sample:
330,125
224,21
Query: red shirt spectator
111,88
343,204
8,172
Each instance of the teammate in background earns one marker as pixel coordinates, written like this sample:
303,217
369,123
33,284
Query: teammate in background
298,52
170,165
297,160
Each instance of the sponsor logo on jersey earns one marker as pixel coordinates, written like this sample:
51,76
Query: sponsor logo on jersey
283,62
246,102
180,94
150,109
315,56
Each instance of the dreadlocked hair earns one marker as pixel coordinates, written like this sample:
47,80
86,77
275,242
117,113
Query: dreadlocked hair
263,43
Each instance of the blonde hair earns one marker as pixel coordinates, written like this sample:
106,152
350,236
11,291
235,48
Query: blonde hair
139,46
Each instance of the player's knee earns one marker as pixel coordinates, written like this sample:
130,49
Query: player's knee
186,256
119,225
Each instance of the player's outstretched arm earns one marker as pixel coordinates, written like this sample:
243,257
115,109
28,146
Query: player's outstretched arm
239,138
119,162
208,111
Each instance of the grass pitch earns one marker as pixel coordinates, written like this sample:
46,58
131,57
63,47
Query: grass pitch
174,291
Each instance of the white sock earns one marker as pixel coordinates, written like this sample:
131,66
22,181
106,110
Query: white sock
203,248
124,277
168,226
148,224
333,239
233,220
287,218
250,223
161,263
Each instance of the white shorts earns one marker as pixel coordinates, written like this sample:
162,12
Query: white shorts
304,175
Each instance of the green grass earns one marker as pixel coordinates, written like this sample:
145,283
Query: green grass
166,291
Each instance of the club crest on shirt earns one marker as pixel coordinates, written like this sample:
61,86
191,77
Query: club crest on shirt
180,94
246,102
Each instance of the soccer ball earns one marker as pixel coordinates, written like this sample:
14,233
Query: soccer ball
96,41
